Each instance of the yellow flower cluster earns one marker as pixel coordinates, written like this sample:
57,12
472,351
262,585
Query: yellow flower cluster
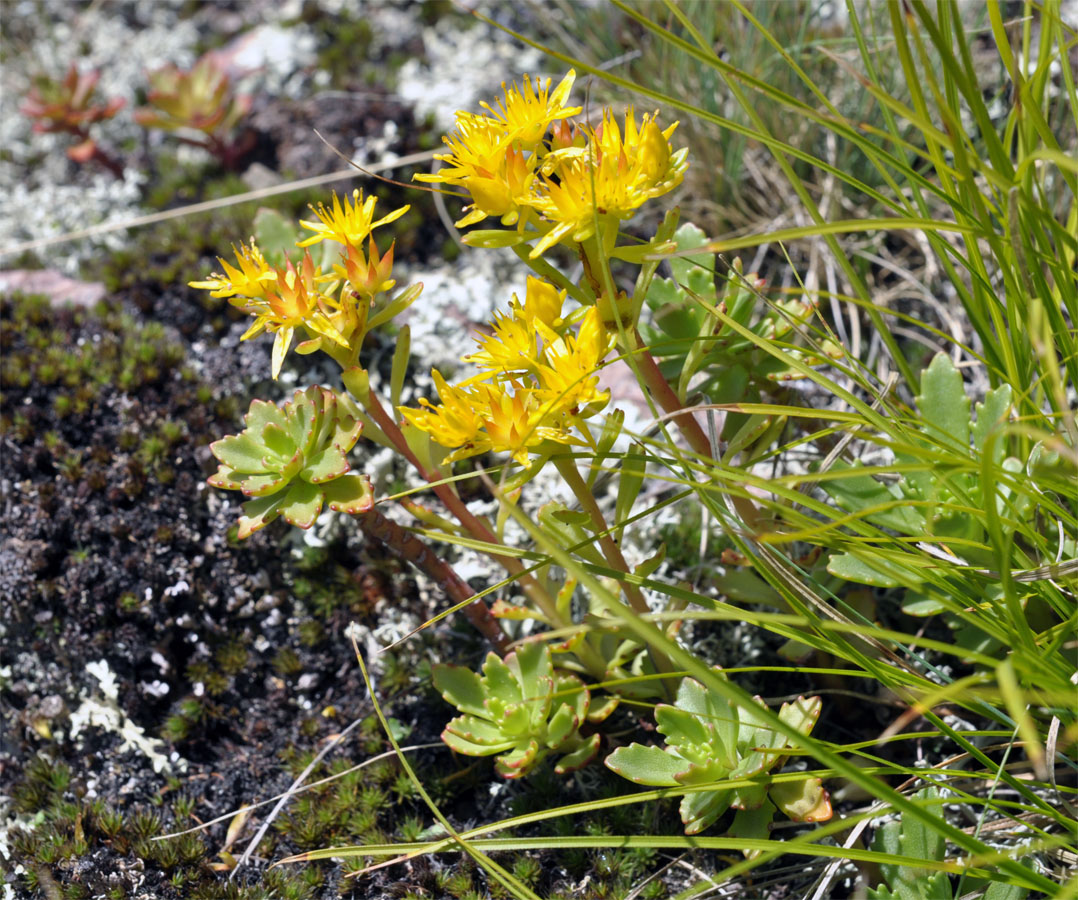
538,382
332,307
525,163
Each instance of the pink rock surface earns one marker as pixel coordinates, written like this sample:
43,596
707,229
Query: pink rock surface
61,289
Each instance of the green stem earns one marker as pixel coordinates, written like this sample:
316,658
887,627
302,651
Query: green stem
659,388
611,551
412,549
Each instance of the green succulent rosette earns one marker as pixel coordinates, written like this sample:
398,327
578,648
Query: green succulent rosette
520,708
709,741
292,460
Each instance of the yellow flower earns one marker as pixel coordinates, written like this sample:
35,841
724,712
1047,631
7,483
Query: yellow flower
515,423
568,381
484,162
455,422
295,302
348,224
249,280
524,113
516,345
542,303
612,177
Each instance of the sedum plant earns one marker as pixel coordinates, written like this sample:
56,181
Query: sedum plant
530,402
201,106
291,460
69,106
709,742
521,708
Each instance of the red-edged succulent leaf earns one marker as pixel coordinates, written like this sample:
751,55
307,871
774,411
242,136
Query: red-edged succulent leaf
327,464
302,504
461,688
258,513
804,800
700,810
350,494
519,761
241,453
580,757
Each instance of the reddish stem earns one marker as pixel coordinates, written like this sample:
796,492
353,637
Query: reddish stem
412,549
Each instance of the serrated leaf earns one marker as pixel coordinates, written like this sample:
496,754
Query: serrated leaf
225,478
801,714
646,765
470,748
580,757
480,732
500,682
943,403
561,726
689,237
749,797
262,485
860,492
261,413
991,416
518,761
515,720
350,494
716,711
680,727
914,838
461,687
1000,890
700,810
259,512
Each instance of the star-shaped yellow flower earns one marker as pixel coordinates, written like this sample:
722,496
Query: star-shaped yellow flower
348,224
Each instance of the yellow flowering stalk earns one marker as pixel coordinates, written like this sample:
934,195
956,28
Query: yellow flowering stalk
610,178
537,385
527,164
333,308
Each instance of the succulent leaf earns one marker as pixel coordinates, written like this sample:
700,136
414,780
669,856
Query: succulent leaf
293,460
707,743
507,711
803,801
647,765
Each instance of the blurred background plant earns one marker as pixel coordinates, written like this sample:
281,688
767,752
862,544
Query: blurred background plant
68,106
201,106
